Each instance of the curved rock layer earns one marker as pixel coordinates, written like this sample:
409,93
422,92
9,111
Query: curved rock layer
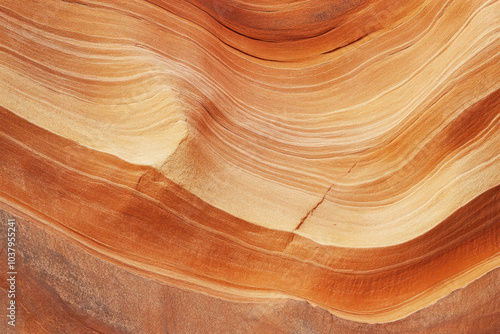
342,153
63,291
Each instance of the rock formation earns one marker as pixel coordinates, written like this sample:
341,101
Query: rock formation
252,166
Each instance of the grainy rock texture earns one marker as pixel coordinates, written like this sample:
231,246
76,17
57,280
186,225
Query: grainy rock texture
252,166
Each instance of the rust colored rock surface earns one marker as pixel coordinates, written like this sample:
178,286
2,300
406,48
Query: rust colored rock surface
251,166
65,289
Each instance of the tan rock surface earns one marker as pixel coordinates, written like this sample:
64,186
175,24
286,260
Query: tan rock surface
300,166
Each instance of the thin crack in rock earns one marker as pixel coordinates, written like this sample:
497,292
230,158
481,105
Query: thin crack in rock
140,178
312,210
353,167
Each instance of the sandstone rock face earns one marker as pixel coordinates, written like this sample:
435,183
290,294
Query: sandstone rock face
251,166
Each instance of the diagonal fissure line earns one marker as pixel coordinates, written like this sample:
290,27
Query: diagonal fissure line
310,212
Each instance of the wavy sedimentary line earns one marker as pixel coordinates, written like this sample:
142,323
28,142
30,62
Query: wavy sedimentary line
135,243
233,123
274,147
47,293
